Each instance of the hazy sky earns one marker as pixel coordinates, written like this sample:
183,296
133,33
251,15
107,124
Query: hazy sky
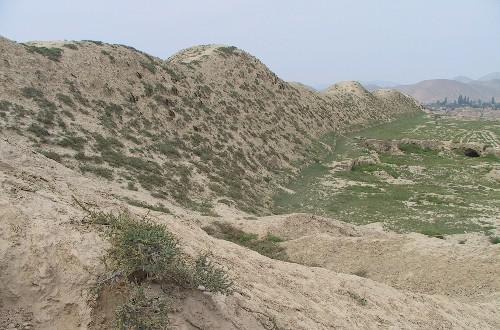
314,42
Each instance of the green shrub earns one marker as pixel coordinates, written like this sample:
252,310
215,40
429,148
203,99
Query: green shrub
494,239
5,105
268,246
45,116
74,142
98,43
361,273
149,89
413,148
52,53
65,99
211,277
142,250
38,130
108,54
52,155
97,170
141,312
150,66
32,93
71,46
158,207
361,300
432,233
229,50
131,186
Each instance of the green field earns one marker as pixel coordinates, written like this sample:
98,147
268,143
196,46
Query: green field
422,190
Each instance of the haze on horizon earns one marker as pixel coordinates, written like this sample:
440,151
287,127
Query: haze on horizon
314,42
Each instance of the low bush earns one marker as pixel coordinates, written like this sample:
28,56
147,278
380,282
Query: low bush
415,149
38,130
134,202
141,312
52,155
52,53
74,142
71,46
268,246
97,170
150,66
494,239
142,250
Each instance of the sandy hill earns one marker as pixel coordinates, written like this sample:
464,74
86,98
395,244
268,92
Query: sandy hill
203,136
211,121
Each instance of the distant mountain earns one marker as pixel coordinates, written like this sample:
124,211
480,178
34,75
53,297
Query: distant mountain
463,79
429,91
490,76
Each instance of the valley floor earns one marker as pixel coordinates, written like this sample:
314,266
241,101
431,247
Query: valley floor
432,190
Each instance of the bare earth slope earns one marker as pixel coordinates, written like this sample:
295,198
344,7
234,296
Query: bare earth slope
50,260
209,114
117,129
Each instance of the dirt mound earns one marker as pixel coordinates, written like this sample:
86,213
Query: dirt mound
182,129
49,273
110,127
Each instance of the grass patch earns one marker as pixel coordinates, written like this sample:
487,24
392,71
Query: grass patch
268,246
414,148
52,53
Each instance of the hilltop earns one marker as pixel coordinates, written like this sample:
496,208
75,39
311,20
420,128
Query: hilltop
189,151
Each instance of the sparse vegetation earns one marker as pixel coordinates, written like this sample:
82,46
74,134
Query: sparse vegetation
51,53
150,66
422,190
74,142
268,246
229,50
159,207
141,312
97,170
65,99
71,46
52,155
361,273
360,300
38,130
494,239
143,252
